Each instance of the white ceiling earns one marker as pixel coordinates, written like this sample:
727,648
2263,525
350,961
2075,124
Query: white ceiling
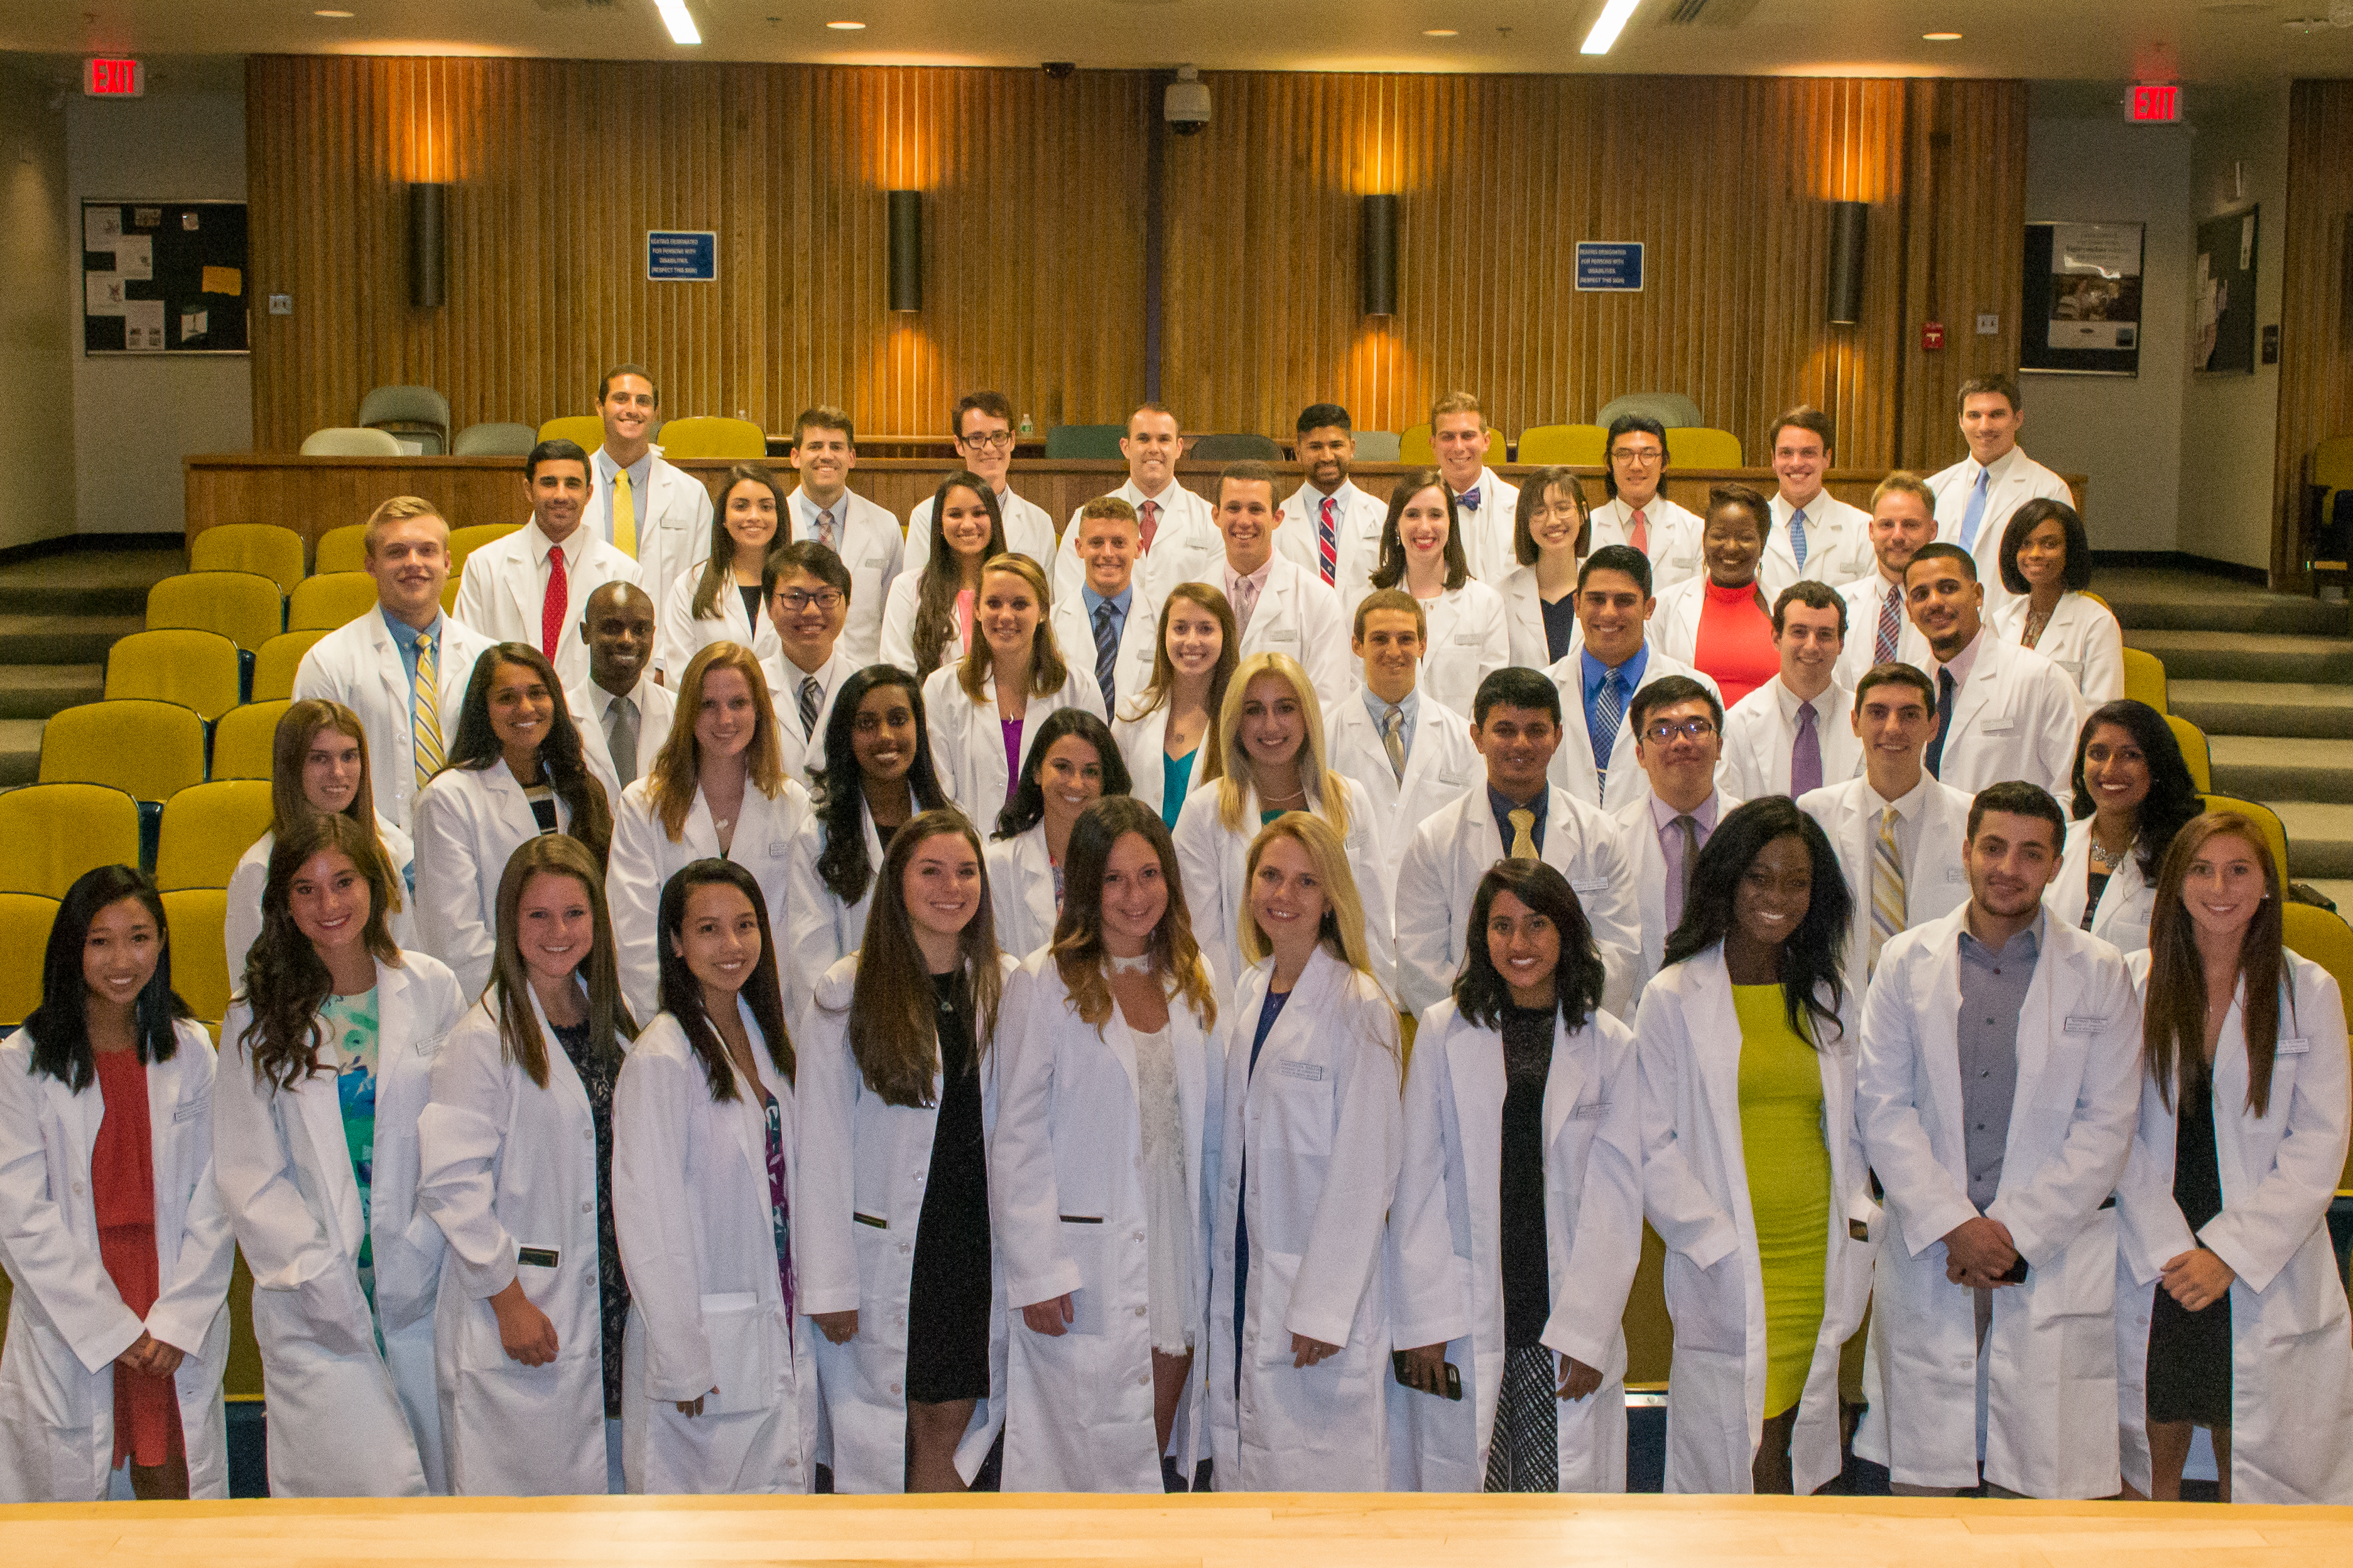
2108,40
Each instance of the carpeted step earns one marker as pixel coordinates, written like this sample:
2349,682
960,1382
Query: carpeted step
37,691
2248,656
20,750
2334,887
55,639
2187,601
89,582
2320,838
2262,767
2264,707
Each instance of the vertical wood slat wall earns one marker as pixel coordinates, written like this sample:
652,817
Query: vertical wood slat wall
1033,217
2315,380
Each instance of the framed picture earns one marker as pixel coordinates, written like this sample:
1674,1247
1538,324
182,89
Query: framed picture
2080,312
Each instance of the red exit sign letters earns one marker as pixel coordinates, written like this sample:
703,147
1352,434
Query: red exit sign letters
105,76
2154,104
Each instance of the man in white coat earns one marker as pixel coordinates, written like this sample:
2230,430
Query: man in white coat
1484,506
1411,754
2003,711
1597,679
658,515
1678,741
1510,810
1997,1090
807,590
1792,734
1111,624
1329,526
1812,534
1180,538
1897,832
1636,513
1975,496
982,426
531,586
403,667
1902,518
866,537
1279,605
617,706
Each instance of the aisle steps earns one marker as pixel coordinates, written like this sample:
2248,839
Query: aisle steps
58,616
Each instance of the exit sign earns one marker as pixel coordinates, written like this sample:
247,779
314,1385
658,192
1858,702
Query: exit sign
108,77
2155,103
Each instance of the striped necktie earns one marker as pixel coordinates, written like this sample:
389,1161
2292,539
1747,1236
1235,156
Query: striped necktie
1891,625
428,712
1886,889
1106,652
1327,542
1608,706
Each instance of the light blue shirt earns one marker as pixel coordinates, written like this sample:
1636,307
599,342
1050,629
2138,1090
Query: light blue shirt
1596,672
1411,707
1118,602
641,472
805,512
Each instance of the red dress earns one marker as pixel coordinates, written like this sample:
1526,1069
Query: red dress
123,1191
1736,641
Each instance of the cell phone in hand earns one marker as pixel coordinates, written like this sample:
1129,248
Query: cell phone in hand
1454,1377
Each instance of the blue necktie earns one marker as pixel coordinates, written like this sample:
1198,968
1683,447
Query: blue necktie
1469,499
1609,704
1976,512
1106,651
1798,535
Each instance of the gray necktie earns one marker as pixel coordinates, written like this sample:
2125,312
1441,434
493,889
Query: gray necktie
810,698
621,735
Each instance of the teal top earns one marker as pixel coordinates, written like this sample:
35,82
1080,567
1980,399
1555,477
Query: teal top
351,1023
1176,780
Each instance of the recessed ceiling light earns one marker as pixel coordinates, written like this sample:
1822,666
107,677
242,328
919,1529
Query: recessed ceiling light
681,27
1942,37
1607,26
847,26
1439,33
338,16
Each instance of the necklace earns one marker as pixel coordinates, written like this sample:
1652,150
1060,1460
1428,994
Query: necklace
1140,965
1299,794
2108,862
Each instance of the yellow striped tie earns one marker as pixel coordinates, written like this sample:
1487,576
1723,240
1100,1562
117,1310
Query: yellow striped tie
1886,889
429,713
625,515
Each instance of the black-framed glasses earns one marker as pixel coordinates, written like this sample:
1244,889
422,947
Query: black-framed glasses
989,441
796,600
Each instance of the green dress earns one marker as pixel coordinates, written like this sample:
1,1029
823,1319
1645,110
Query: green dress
1788,1168
352,1029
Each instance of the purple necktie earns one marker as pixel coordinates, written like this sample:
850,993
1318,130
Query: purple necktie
1806,755
1469,499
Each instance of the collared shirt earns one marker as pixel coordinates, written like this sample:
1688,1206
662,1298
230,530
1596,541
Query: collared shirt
1999,469
1502,806
575,546
1670,844
1907,818
1410,705
1119,604
403,638
641,472
806,510
1823,702
1963,662
600,701
1993,994
1596,672
1167,501
1230,579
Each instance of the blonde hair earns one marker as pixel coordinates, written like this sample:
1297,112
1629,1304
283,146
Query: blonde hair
1326,792
1456,403
1341,931
1047,671
399,509
1906,483
677,771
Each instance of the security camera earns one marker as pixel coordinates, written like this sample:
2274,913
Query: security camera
1186,106
1060,70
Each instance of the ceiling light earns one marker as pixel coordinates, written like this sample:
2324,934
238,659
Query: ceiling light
1942,37
1439,33
847,26
1608,25
681,26
338,16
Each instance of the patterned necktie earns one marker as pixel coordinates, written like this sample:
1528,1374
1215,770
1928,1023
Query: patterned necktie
825,527
1935,758
621,738
1798,535
1106,652
1638,532
1523,841
1393,738
1327,542
427,727
624,514
1975,515
1886,889
810,698
1608,705
1679,890
1148,523
1806,754
1891,625
1245,601
552,603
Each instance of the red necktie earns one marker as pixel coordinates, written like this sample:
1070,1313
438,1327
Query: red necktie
1638,532
551,608
1328,541
1149,512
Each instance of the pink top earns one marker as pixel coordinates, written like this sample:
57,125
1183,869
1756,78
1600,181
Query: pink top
1736,641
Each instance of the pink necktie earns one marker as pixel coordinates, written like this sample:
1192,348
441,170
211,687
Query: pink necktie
1638,532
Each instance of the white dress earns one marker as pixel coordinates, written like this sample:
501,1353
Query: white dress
1168,1216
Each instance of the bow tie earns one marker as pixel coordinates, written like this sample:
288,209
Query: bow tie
1469,499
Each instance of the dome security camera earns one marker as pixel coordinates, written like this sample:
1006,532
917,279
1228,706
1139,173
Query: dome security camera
1186,105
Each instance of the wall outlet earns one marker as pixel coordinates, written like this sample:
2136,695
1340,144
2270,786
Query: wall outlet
281,304
1988,324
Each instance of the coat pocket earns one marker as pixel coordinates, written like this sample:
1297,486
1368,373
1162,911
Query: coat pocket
1082,1241
1706,1305
743,1360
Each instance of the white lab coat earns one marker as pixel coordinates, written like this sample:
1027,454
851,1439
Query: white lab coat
1028,530
2127,904
1524,623
898,628
2016,718
1758,734
1021,892
1446,1243
674,515
656,708
1486,532
1648,863
680,635
1139,636
359,666
1864,596
707,1314
1067,1212
968,738
1838,544
1696,1195
869,541
503,590
823,930
2082,638
1467,641
1297,615
469,823
2049,1361
1186,544
505,1164
354,1411
2291,1354
66,1322
864,1162
1215,864
1143,746
1674,533
1356,523
645,857
2017,480
804,751
1936,883
1439,765
1572,764
1437,878
241,926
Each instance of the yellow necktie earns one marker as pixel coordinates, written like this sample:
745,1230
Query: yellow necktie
1523,843
625,515
429,713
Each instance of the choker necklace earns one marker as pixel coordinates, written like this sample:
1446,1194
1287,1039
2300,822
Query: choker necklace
1140,965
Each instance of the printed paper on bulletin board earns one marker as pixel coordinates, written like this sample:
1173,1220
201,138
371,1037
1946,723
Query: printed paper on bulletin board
163,278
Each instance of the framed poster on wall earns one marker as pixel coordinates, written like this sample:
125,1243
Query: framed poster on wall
2222,295
2081,310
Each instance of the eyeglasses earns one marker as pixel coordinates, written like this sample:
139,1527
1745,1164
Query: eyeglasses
1642,456
1659,734
796,601
988,441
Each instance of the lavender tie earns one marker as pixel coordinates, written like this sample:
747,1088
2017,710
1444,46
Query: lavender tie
1806,754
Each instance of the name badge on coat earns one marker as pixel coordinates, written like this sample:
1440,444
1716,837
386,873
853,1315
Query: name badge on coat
1998,727
1284,634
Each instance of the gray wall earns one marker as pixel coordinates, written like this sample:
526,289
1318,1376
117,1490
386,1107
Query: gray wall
39,323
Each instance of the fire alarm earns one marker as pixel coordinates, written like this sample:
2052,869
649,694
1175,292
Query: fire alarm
1931,336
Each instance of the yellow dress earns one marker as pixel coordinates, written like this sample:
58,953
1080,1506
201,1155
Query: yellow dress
1788,1170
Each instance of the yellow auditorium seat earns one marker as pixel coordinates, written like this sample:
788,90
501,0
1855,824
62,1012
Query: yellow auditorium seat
1576,446
342,549
323,604
584,429
2323,937
261,548
275,666
25,921
2332,470
193,669
244,741
1414,447
2274,831
464,541
739,440
148,750
2196,752
2145,677
199,954
243,607
1698,446
206,827
51,832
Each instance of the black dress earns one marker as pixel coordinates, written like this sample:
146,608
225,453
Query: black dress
597,1077
2190,1352
949,1296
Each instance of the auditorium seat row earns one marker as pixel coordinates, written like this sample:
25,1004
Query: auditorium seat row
266,550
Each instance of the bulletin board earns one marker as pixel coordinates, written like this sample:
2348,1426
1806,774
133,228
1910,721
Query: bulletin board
163,278
2222,295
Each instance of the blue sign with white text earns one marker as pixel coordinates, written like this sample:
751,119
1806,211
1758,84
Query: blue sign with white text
681,255
1607,264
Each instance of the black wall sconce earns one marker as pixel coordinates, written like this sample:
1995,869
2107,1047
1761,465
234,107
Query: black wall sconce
428,272
906,250
1380,258
1850,221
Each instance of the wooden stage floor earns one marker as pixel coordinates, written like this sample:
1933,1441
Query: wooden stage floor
1294,1531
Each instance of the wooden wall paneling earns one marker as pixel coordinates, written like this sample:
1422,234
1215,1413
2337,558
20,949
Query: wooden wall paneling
2316,376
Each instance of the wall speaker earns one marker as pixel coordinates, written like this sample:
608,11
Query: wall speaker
906,250
1850,222
428,272
1381,259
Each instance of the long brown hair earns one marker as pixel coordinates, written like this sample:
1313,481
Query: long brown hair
942,575
893,1028
1326,792
286,981
554,855
1047,670
1162,689
1391,571
2173,1022
290,753
718,568
681,993
677,771
561,757
1078,944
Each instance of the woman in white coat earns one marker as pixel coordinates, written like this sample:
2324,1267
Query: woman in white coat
985,710
515,1165
2133,794
326,1068
1518,1215
319,765
1270,739
117,1249
1422,553
1110,1085
1073,764
515,770
898,1104
1169,732
718,1393
1752,1163
717,788
1549,536
927,620
1305,1162
2231,1313
2046,562
718,599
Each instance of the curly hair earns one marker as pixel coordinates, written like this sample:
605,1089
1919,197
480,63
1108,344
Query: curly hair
286,981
